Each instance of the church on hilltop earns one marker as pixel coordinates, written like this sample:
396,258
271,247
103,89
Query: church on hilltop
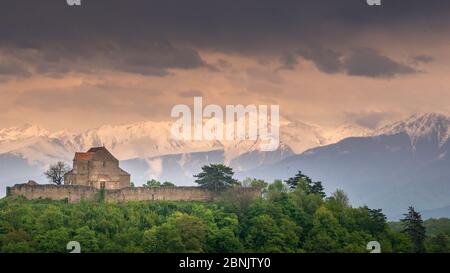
96,176
97,168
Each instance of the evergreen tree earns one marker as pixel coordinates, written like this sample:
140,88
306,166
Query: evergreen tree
216,177
377,220
317,188
414,228
311,187
294,181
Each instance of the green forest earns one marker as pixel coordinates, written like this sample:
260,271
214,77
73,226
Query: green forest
291,216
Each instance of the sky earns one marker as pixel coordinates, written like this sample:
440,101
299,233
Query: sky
324,62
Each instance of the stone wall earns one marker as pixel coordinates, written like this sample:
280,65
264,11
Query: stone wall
162,193
75,193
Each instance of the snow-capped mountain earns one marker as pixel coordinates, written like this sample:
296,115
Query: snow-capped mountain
403,164
34,143
150,146
333,135
145,140
21,133
431,125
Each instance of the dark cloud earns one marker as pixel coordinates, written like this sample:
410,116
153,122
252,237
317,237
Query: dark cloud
326,60
149,36
210,23
364,62
370,119
288,61
13,68
152,59
370,63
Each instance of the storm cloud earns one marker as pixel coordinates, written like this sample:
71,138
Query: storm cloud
370,63
326,60
125,61
364,62
151,37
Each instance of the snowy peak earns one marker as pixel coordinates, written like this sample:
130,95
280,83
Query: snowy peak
346,130
150,138
430,126
137,140
22,132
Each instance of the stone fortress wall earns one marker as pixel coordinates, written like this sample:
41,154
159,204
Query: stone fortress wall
76,193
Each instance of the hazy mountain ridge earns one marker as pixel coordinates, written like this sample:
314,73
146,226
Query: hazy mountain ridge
406,164
143,140
150,146
401,164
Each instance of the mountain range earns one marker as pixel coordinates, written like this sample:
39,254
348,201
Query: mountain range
401,164
142,147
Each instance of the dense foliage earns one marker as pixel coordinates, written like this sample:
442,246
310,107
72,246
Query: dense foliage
286,219
437,234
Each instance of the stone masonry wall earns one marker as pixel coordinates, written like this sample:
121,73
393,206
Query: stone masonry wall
73,193
76,193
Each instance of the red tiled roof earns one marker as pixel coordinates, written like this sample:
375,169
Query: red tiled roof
84,156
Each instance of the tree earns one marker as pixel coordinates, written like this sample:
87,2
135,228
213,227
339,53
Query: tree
414,228
266,235
285,221
294,181
246,182
259,183
163,239
216,177
152,184
255,183
325,233
168,184
377,220
340,198
87,238
192,231
225,241
439,243
306,183
56,172
276,189
317,188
